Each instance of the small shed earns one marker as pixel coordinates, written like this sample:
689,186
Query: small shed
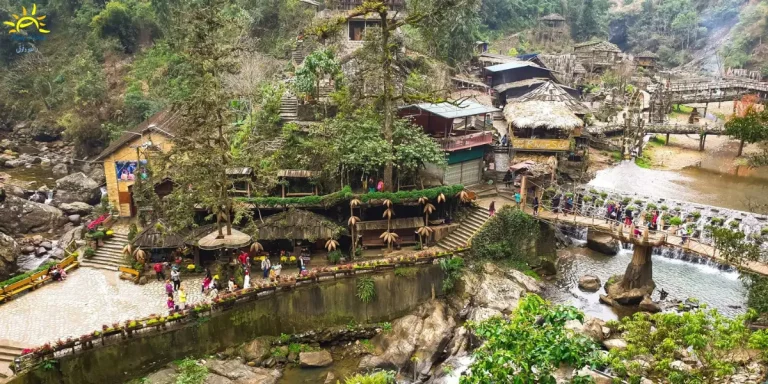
299,224
405,228
514,71
157,235
646,59
297,182
553,20
240,177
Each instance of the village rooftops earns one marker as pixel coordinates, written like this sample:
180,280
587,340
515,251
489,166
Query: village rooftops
513,65
598,46
452,111
647,55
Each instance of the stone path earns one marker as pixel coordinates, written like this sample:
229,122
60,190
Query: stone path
81,304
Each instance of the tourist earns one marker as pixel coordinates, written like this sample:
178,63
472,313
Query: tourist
243,257
206,283
492,209
213,292
535,205
609,211
509,177
54,273
273,273
556,203
231,286
628,216
299,263
266,265
159,271
170,303
215,282
176,278
182,297
517,198
569,204
683,236
62,273
169,287
247,279
371,185
654,220
504,140
380,186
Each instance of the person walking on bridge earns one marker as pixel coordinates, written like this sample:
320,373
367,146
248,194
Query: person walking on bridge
556,203
535,205
628,217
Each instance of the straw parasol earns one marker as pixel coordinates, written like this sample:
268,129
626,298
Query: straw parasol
236,240
541,114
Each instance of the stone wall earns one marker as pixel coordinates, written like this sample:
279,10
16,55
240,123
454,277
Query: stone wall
310,307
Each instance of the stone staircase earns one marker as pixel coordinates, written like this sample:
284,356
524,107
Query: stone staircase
467,228
8,352
289,107
109,256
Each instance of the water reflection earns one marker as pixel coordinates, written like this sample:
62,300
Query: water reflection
694,184
682,279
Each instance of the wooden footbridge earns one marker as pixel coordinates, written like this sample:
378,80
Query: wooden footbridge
643,236
713,90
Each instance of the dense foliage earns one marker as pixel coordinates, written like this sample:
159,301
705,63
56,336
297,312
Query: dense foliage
383,377
705,336
452,268
757,292
733,246
510,235
530,346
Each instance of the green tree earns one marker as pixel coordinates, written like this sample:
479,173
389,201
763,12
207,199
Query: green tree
116,20
757,292
509,235
452,35
317,65
592,20
530,346
734,246
750,128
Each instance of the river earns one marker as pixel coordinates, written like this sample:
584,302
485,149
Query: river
695,184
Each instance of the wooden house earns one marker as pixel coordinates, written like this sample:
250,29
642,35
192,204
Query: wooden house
515,78
647,60
124,159
464,131
296,183
598,56
553,20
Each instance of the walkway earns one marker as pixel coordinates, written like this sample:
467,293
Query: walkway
84,302
654,237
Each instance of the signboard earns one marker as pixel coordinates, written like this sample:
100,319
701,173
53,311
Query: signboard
126,170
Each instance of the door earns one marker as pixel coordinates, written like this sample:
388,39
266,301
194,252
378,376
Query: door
466,172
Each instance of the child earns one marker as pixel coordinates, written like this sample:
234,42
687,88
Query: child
182,297
171,304
206,284
247,279
168,287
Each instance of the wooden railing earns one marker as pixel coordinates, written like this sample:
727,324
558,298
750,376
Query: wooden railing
467,141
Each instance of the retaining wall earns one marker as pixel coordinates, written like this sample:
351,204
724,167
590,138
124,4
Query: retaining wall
320,305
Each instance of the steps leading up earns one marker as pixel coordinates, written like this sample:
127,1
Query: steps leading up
467,228
110,255
289,108
8,352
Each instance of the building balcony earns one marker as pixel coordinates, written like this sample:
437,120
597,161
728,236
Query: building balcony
542,145
471,140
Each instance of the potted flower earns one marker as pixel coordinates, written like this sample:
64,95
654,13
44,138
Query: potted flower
109,233
44,350
131,326
86,341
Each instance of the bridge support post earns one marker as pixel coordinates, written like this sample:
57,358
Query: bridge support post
702,141
523,192
667,141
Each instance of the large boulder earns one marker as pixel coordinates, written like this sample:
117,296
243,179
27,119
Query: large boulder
241,373
589,283
315,359
77,187
97,174
398,344
60,169
19,216
493,289
436,333
623,296
648,305
76,208
603,243
9,252
257,350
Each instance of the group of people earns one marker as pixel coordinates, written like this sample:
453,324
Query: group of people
562,204
374,186
57,273
173,287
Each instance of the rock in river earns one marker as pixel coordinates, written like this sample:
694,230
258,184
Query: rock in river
60,169
77,187
315,359
76,208
589,283
21,216
603,243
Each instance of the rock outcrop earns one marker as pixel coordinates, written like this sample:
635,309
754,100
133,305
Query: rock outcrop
77,187
236,371
9,252
315,359
603,243
21,216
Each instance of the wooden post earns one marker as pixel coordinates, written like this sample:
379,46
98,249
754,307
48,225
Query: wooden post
523,192
667,141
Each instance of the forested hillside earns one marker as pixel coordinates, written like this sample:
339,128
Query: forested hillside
107,65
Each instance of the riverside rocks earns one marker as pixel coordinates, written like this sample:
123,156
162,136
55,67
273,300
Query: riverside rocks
21,216
76,208
589,283
9,252
603,243
77,187
315,359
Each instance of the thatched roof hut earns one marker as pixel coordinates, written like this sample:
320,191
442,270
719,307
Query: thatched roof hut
552,92
298,224
205,238
158,236
541,114
552,17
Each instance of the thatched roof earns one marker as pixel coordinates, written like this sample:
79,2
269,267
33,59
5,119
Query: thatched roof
298,224
647,55
158,236
550,91
295,173
536,81
537,114
493,58
381,225
552,17
599,46
234,241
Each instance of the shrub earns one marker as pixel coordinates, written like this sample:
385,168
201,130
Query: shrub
676,221
366,290
696,215
452,267
133,230
88,252
716,221
651,207
734,224
334,256
603,195
638,202
508,235
593,191
664,207
383,377
190,372
764,231
587,199
626,200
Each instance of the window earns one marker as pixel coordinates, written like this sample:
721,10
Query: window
357,28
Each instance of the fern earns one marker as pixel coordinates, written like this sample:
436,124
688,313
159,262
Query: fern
366,290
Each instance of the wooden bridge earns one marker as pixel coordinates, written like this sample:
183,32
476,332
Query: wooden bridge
674,129
709,90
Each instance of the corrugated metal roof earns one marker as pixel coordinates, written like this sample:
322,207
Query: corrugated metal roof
452,111
518,84
239,171
163,122
513,65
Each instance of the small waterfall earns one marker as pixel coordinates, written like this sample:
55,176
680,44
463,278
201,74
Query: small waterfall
49,197
103,192
688,257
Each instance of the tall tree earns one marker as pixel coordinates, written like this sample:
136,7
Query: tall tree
198,161
750,128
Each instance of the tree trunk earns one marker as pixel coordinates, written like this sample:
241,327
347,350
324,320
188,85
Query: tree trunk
741,148
387,96
639,272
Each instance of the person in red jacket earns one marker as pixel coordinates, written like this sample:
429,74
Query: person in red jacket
159,271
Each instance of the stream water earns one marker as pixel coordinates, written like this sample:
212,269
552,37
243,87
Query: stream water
341,368
33,177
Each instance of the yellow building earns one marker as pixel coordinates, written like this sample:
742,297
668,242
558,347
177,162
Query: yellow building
130,152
